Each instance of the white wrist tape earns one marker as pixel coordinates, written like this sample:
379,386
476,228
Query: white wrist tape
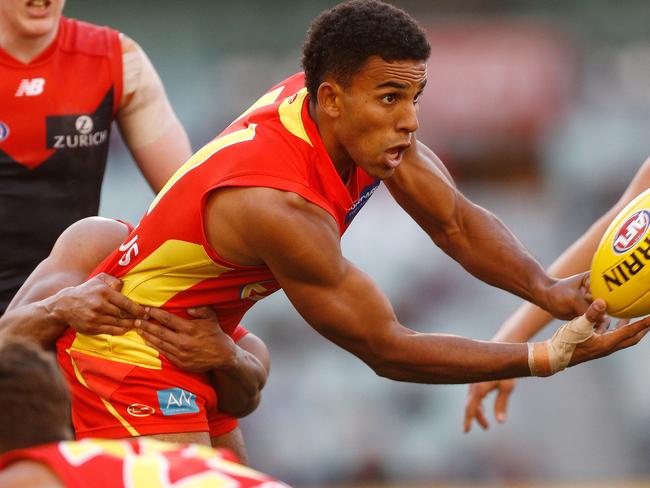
549,357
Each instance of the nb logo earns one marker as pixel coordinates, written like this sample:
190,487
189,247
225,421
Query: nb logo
176,401
30,87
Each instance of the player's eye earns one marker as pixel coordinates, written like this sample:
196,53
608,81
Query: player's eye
389,98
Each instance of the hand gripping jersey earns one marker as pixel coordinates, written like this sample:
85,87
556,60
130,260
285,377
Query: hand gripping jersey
167,262
141,463
54,130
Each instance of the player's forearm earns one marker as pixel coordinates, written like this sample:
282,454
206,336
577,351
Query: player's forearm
34,322
529,319
239,383
487,249
438,358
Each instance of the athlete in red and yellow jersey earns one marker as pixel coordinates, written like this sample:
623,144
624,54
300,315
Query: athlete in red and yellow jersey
139,463
265,204
166,262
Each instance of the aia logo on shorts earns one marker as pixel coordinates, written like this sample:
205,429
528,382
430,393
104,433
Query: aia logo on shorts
631,231
176,401
140,410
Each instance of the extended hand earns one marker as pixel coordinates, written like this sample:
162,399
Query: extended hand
603,342
97,307
569,297
195,345
474,405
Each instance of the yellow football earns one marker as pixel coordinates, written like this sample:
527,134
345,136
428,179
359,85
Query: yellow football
620,270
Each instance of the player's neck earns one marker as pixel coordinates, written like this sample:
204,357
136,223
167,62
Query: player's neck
337,153
23,48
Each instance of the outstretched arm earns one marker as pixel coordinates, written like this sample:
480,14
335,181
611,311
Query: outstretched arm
476,238
529,319
344,305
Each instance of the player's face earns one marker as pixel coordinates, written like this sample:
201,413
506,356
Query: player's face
379,113
31,18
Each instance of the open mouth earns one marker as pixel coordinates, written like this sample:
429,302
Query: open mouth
38,4
395,153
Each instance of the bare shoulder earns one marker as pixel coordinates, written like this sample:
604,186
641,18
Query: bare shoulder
256,225
128,44
97,236
28,473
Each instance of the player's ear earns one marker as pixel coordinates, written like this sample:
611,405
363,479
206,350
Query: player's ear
329,99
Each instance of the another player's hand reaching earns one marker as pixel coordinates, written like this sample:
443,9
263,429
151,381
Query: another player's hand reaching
474,405
582,339
96,307
197,345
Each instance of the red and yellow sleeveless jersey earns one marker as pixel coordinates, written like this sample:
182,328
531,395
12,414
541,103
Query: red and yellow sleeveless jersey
55,124
167,262
141,463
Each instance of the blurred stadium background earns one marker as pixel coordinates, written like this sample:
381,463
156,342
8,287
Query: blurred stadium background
541,110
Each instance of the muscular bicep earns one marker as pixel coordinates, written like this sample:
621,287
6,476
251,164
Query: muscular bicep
76,253
299,242
423,187
255,346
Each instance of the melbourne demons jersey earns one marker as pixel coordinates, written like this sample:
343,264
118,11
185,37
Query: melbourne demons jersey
140,463
167,262
54,130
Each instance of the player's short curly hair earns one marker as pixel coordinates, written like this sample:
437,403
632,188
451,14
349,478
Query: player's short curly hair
341,40
35,401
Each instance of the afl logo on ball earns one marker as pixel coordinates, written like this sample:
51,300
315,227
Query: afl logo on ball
4,131
631,231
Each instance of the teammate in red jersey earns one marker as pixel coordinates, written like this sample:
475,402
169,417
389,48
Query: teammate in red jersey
264,205
62,82
35,450
50,301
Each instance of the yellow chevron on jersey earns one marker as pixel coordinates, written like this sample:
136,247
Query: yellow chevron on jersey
203,154
266,99
290,115
172,268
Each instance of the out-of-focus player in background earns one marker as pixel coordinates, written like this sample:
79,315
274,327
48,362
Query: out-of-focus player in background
62,83
263,206
529,319
55,297
36,450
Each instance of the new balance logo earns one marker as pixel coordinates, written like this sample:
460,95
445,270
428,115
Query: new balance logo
175,401
30,87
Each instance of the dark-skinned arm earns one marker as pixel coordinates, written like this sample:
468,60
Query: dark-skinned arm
49,300
476,238
238,371
344,305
